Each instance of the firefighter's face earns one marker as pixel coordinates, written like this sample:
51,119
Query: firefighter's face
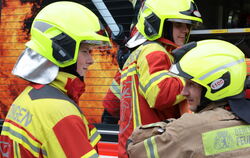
180,31
192,91
84,58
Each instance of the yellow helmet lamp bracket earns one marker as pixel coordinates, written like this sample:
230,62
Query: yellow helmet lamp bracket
64,49
152,25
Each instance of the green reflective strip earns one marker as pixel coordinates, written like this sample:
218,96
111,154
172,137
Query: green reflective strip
23,138
130,71
133,57
16,149
226,139
94,138
115,88
153,80
4,144
95,155
151,147
136,108
91,154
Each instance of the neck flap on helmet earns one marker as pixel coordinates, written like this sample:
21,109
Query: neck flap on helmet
33,67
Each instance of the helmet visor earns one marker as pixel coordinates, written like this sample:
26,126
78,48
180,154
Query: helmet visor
97,43
191,22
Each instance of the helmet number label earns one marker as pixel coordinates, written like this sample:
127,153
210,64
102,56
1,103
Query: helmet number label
217,84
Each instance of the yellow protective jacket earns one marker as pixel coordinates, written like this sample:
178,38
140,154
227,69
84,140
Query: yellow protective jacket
44,121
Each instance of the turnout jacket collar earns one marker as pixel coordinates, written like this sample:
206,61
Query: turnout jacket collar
214,105
70,85
167,44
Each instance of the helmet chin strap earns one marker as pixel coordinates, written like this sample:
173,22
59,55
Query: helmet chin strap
203,101
168,31
72,70
81,78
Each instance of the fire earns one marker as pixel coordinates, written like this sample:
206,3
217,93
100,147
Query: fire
98,80
15,20
11,44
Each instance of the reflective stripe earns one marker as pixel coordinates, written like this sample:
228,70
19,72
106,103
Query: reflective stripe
42,26
151,148
86,125
4,144
153,80
226,139
115,88
91,154
132,58
16,149
136,108
131,64
129,72
94,137
12,133
221,67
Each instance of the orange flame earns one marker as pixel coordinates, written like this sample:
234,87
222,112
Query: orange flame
12,42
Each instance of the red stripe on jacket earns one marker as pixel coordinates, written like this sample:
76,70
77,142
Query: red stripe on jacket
71,134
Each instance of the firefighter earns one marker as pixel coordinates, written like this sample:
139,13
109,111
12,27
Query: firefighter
215,83
111,101
45,120
148,93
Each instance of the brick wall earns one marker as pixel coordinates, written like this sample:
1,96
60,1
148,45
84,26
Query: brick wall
12,40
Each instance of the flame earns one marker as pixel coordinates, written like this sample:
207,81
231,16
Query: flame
11,44
15,20
98,80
